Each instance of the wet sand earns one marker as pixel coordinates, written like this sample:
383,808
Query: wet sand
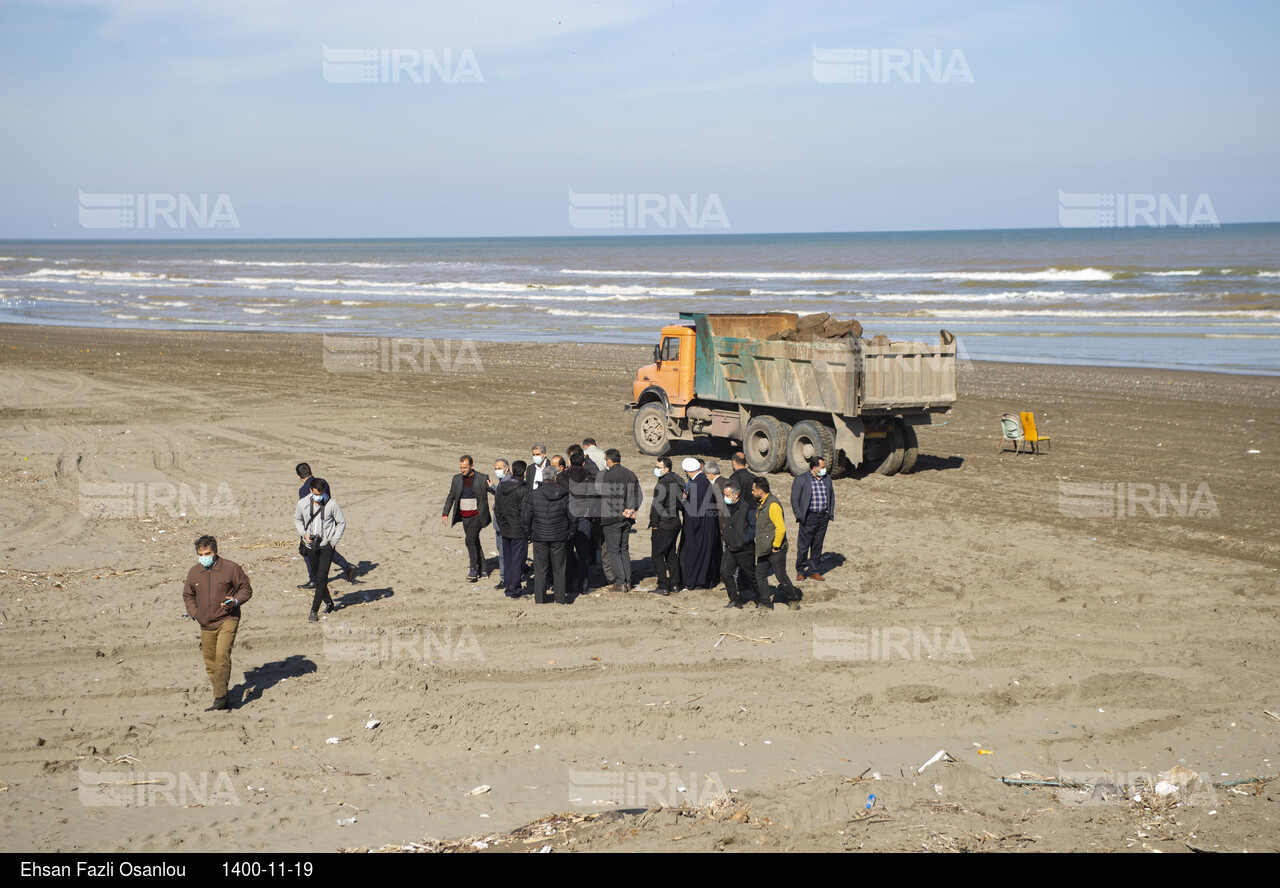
977,606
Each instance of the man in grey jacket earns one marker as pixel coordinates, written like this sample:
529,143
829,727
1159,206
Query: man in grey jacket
320,523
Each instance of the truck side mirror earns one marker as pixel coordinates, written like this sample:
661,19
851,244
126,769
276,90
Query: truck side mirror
657,354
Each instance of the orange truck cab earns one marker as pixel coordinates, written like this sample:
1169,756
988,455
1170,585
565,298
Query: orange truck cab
671,371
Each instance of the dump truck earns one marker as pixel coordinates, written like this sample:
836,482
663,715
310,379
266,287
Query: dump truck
852,401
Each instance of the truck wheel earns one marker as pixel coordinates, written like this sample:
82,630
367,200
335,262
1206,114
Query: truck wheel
765,444
910,448
808,439
651,430
893,454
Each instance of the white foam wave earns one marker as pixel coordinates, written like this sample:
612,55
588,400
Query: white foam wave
96,274
1083,313
576,313
262,280
1048,274
1008,296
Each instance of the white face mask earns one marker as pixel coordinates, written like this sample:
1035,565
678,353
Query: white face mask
657,473
537,460
500,473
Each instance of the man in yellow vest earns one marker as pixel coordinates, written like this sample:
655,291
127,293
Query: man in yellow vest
771,548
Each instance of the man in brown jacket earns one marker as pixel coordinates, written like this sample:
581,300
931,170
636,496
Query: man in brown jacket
213,593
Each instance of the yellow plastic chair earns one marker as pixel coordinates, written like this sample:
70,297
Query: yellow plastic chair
1030,435
1011,430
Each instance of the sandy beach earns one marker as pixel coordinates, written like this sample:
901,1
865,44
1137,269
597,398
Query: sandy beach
1109,607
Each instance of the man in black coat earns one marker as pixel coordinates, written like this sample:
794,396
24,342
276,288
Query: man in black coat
468,502
741,475
664,527
583,506
508,510
739,559
620,500
547,522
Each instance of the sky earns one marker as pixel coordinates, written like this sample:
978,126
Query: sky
526,118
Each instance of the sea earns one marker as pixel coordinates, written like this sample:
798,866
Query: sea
1191,298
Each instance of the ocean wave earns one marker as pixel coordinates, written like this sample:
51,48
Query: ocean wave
578,313
64,298
336,263
96,274
1084,313
1048,274
1007,296
261,280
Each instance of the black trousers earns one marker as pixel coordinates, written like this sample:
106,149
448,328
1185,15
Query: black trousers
549,563
666,557
318,562
738,570
813,533
513,549
775,562
579,555
471,529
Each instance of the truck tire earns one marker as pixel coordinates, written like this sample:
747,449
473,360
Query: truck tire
892,460
809,438
651,430
765,444
910,448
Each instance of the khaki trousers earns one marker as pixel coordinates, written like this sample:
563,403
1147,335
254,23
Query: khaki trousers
216,646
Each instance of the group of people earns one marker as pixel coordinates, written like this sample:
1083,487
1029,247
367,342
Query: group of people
574,512
579,510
